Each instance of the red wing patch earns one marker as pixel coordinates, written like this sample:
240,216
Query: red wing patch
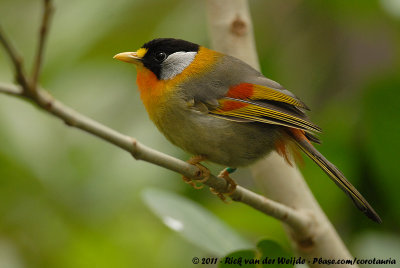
242,91
248,91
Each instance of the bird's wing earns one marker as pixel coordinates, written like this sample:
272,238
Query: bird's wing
257,103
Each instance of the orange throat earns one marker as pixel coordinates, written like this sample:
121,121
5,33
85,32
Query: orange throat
152,90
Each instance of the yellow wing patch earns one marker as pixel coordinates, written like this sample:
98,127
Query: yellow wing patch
248,91
262,92
248,110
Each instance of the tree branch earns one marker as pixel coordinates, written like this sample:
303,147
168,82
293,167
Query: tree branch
296,219
141,152
10,90
48,11
15,58
231,31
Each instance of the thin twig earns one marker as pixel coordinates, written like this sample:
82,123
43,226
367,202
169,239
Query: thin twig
16,59
10,90
44,29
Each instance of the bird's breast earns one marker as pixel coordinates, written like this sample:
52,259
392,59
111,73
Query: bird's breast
153,92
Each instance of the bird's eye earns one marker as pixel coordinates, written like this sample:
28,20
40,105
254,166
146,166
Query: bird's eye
160,56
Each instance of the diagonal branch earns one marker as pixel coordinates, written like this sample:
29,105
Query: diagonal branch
48,11
296,219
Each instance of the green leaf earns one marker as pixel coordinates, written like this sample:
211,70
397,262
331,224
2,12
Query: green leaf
194,223
273,255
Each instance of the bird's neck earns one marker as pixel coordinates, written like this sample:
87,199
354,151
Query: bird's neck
153,91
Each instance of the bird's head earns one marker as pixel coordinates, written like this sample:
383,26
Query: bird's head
165,57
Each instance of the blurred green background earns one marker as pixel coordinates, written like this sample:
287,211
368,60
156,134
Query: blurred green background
68,199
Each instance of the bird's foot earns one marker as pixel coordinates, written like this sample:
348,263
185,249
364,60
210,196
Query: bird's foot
224,174
204,172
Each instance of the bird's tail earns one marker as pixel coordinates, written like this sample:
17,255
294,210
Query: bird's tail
334,173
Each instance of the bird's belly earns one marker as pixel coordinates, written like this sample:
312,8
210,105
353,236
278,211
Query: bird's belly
221,141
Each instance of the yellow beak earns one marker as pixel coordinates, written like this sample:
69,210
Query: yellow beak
131,57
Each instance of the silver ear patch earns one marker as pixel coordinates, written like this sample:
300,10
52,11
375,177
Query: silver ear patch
176,63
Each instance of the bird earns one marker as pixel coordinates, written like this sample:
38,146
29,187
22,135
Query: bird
220,109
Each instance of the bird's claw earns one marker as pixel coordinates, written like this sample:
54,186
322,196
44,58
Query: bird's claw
220,195
192,183
203,172
224,174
